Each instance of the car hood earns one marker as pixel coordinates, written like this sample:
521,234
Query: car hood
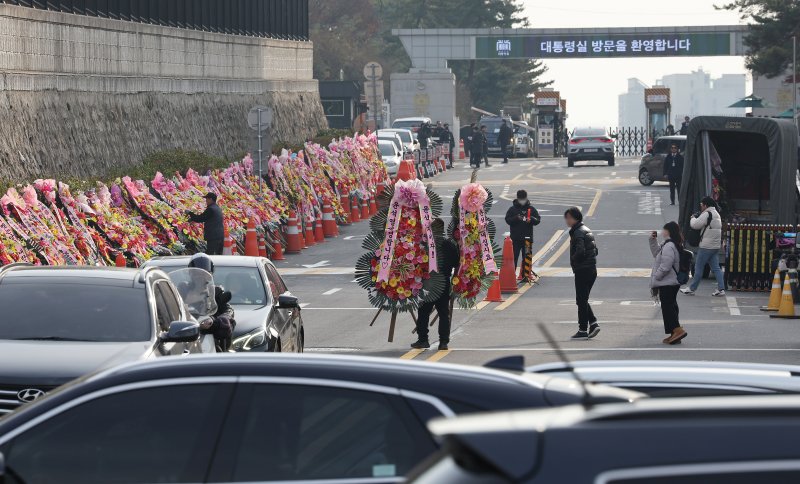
52,363
250,318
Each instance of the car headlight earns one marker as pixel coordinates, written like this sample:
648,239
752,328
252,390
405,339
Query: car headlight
250,340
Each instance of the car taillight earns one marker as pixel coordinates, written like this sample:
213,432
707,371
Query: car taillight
605,140
574,141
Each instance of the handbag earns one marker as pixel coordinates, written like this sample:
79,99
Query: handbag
694,236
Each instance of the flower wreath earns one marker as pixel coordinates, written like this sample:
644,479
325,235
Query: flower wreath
399,269
475,233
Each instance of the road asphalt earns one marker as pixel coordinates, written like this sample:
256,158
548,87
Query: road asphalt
621,213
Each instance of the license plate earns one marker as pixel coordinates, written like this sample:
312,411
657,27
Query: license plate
590,150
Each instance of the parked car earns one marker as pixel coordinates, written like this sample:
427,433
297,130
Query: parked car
390,155
394,138
651,168
411,123
258,418
522,140
410,143
742,440
590,144
60,323
267,314
669,378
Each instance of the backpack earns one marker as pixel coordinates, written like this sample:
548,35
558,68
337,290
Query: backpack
684,265
694,236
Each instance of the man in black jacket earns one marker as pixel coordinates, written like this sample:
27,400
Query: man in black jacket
521,218
504,138
485,149
583,259
449,257
673,164
466,137
476,147
424,134
213,230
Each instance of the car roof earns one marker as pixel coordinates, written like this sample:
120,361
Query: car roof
679,137
780,378
219,260
75,274
416,118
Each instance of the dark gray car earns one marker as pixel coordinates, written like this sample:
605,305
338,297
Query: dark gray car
59,324
651,168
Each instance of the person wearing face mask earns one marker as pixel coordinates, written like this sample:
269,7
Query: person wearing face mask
521,218
664,279
673,163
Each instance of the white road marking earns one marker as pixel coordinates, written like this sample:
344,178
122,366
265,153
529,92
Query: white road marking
304,305
591,347
613,173
572,321
649,204
733,307
355,237
332,291
320,264
330,350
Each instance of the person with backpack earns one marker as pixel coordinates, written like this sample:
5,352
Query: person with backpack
706,234
665,278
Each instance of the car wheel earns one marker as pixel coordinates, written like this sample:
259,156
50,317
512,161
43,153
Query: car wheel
644,177
611,162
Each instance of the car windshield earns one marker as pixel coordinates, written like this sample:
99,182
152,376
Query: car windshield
584,132
387,149
244,283
412,125
404,135
492,125
74,312
392,140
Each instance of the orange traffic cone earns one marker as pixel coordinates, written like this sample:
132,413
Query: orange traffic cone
319,234
293,244
328,222
461,153
355,214
120,260
494,294
364,208
309,232
774,295
379,190
227,246
234,246
406,171
786,310
251,240
262,246
277,251
345,200
508,279
373,207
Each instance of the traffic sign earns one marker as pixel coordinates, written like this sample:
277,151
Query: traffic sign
262,113
373,71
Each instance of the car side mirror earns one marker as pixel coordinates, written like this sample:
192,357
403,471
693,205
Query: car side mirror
287,301
181,332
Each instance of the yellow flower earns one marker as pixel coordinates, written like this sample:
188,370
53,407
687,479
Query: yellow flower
424,258
393,282
456,280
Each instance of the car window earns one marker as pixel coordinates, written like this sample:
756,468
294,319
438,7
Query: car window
162,315
294,432
276,284
162,434
387,149
661,147
170,301
405,136
583,132
70,310
244,283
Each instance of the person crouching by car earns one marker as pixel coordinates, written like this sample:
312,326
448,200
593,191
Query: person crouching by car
664,279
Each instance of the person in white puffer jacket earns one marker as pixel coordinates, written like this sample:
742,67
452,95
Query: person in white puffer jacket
709,223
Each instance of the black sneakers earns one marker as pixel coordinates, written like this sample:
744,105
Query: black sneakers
594,330
581,335
443,347
421,344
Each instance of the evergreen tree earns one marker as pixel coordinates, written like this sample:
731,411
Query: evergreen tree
774,22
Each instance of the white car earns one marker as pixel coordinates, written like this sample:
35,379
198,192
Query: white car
590,144
522,141
406,136
391,156
411,123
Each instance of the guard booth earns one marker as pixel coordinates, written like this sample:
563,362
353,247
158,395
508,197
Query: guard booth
547,115
657,106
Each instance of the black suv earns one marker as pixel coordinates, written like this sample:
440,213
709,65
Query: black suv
257,418
60,323
731,440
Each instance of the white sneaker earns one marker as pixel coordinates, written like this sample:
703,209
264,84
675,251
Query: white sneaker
718,293
687,291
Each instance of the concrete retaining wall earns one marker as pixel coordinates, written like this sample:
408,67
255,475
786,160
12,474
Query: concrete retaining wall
78,94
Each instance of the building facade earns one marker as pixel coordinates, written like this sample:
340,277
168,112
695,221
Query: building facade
698,94
632,112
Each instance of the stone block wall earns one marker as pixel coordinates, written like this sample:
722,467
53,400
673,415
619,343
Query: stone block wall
79,94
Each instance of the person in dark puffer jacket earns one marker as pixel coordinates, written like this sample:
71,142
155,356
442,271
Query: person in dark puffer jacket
583,259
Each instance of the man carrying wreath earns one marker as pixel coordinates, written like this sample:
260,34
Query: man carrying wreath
449,258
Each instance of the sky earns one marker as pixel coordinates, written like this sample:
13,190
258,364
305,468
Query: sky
591,86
